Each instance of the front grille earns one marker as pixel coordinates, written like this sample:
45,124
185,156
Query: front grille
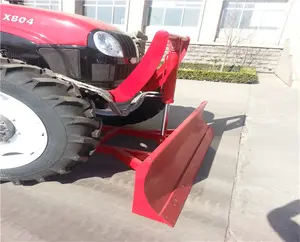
110,76
123,71
126,43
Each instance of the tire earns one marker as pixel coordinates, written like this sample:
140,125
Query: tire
71,127
149,109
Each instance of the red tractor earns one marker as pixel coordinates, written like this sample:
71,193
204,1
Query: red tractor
69,82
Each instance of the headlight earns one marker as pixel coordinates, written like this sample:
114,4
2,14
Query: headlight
107,44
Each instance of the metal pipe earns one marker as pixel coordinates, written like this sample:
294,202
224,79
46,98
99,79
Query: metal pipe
164,124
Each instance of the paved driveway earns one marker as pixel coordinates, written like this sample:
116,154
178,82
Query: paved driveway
93,203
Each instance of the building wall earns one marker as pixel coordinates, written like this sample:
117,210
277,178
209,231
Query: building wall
265,59
260,24
56,5
288,67
255,22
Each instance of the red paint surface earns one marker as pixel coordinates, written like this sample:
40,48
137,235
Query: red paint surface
164,178
164,73
147,77
49,27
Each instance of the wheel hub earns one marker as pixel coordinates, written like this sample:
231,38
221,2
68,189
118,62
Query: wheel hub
19,144
7,129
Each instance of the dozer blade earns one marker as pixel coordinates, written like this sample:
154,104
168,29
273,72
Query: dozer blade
164,177
164,180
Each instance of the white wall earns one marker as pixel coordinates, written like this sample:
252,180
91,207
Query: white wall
68,6
210,21
263,22
293,33
288,68
135,15
193,32
207,29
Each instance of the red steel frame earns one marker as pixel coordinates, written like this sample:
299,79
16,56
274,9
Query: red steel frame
164,177
146,76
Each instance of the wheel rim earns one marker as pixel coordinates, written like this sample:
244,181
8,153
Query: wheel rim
29,139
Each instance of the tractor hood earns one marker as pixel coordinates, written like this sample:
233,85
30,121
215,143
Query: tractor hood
48,27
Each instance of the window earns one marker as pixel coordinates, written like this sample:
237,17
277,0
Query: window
181,13
253,14
108,11
47,4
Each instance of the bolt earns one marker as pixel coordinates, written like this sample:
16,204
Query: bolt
4,137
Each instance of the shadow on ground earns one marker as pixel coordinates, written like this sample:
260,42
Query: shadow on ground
105,166
281,221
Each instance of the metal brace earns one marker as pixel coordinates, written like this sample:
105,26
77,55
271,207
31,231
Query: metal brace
134,103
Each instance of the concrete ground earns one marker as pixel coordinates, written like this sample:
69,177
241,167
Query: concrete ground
246,190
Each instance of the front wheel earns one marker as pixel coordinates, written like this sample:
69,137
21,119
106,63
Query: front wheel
45,126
